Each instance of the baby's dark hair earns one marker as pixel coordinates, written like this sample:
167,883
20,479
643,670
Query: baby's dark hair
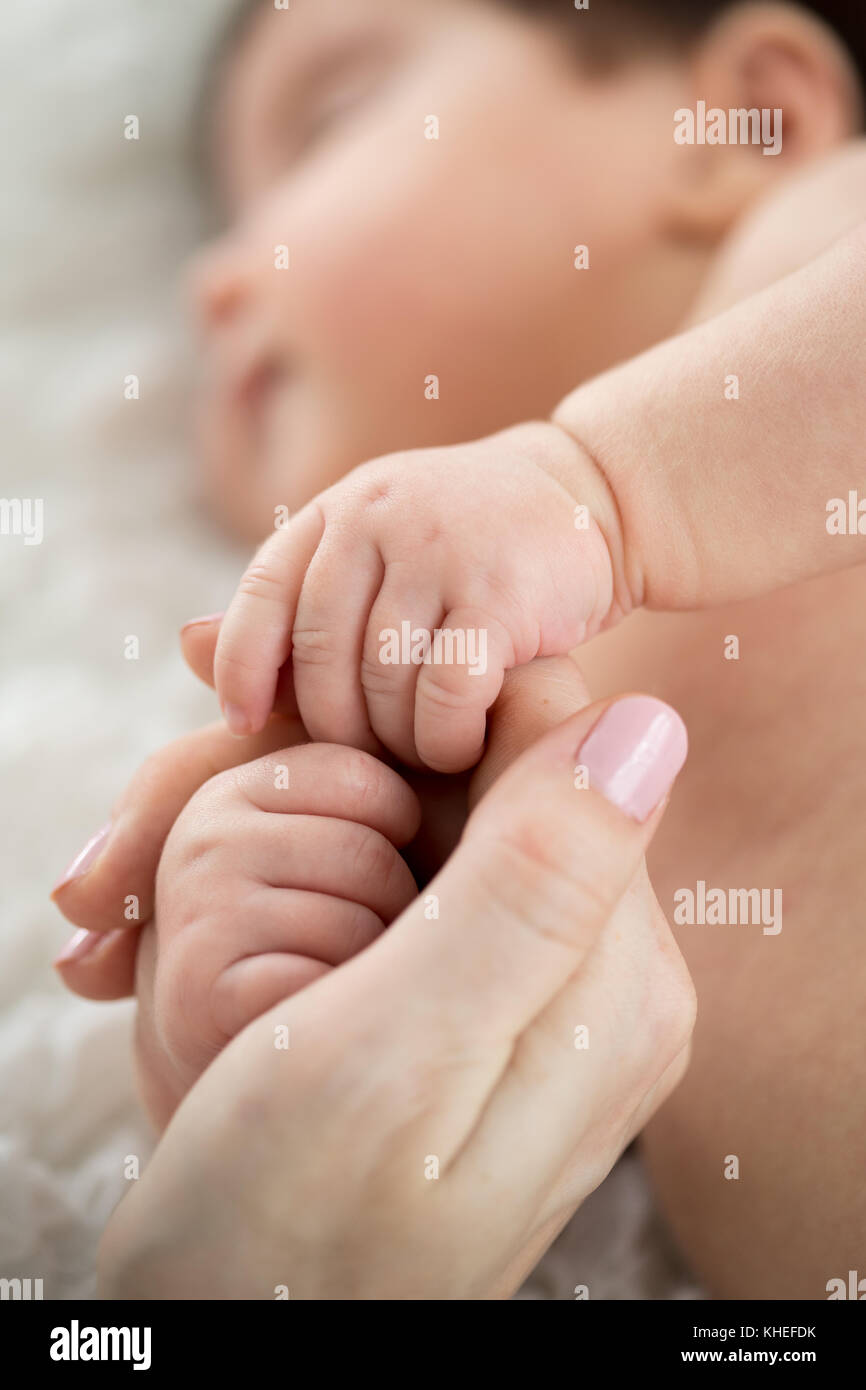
608,30
663,21
652,21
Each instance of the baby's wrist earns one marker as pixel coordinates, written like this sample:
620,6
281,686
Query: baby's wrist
565,456
618,422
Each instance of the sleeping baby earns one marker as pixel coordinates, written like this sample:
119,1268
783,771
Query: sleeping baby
480,221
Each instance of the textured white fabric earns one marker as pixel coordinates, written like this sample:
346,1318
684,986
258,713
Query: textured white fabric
95,230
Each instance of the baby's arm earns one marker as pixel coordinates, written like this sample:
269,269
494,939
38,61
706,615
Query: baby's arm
701,472
725,445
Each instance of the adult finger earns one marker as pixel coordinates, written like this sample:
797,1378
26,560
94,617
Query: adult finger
100,965
545,859
534,698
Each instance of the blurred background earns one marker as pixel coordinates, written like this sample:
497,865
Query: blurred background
95,231
96,228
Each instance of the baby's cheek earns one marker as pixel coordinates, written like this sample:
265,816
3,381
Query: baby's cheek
359,288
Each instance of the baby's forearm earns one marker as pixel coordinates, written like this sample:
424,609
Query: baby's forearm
726,446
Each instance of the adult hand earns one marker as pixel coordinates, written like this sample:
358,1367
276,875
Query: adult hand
450,1095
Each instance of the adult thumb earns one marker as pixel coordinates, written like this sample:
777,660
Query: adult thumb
546,856
534,698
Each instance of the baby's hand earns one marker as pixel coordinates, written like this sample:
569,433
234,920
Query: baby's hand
274,872
405,592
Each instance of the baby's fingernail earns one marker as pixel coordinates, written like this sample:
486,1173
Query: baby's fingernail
79,946
237,720
200,622
85,859
634,753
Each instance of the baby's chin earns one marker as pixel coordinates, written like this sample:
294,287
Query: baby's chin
258,472
234,476
240,499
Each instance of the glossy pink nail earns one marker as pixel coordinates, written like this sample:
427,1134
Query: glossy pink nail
200,622
85,859
79,946
634,752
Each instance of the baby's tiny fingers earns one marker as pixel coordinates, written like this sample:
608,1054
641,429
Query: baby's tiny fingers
198,640
252,986
255,634
339,589
294,937
404,614
327,779
113,885
458,682
339,858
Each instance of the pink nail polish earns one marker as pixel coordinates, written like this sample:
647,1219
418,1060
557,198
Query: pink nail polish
634,753
85,859
200,622
79,946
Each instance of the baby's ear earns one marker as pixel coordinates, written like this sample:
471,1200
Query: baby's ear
771,88
534,699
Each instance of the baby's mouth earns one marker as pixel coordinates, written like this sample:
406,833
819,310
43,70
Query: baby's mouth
253,393
254,387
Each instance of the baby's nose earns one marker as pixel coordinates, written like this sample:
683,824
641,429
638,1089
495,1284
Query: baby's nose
218,283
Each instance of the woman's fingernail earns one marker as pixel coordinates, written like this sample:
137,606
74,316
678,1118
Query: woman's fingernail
85,859
634,753
199,622
237,720
78,946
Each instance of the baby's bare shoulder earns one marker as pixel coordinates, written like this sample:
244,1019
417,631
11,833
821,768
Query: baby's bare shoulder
789,228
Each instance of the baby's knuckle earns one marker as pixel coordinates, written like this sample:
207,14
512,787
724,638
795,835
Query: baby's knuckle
373,858
373,485
312,646
364,778
379,678
229,660
443,692
362,925
260,580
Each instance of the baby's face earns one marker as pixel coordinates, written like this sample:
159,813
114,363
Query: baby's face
413,257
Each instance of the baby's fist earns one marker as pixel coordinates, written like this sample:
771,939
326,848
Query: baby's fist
274,873
405,592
